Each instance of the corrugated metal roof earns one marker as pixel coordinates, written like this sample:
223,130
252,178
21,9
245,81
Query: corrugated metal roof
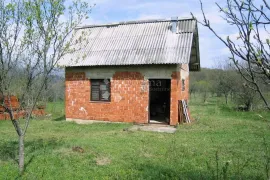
135,43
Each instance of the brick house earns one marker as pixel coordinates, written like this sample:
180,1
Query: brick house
132,71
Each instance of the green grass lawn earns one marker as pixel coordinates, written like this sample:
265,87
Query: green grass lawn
220,144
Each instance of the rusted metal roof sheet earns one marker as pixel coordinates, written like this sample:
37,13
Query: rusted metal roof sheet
136,43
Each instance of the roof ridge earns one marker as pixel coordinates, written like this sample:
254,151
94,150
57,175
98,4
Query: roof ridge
134,22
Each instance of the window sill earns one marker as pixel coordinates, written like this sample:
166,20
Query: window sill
105,102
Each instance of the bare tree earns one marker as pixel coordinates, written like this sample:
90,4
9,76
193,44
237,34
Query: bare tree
34,36
250,53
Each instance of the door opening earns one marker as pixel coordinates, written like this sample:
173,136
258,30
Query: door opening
159,101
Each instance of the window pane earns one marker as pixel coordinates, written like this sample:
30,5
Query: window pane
100,90
103,87
95,82
95,87
105,95
95,93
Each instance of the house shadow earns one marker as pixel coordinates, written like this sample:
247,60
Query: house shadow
156,171
60,118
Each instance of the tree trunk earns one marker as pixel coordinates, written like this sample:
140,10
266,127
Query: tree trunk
248,106
46,85
21,153
21,142
204,97
226,97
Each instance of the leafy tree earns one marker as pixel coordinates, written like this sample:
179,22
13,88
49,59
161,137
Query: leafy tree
245,97
250,53
192,88
204,87
34,36
226,79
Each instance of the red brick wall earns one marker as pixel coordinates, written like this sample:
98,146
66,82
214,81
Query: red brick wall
129,102
17,114
175,85
178,94
129,98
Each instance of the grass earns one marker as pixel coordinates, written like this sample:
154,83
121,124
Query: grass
220,144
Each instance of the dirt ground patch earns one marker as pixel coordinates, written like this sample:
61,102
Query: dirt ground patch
103,161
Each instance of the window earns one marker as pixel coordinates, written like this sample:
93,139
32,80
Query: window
100,90
183,85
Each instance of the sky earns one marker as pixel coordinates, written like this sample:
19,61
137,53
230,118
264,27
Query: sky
211,49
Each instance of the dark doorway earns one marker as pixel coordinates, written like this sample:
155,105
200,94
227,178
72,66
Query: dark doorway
159,100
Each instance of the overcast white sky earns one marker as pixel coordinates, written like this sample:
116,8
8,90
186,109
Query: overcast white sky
107,11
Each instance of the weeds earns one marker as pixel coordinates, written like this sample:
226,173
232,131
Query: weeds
267,158
220,171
